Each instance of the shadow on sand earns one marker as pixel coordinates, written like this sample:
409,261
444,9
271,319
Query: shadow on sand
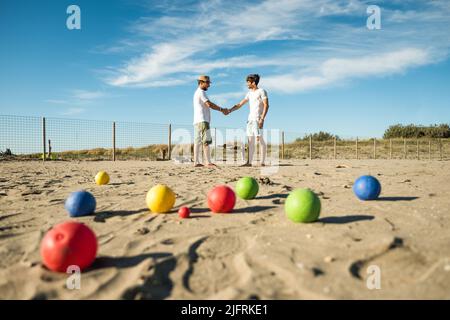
345,219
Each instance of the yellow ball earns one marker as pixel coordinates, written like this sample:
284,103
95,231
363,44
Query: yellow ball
160,199
101,178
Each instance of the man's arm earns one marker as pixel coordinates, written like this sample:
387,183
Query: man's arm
239,105
265,110
214,106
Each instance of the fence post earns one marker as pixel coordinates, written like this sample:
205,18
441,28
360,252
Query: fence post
357,148
224,153
417,140
235,150
374,148
169,143
404,148
390,149
429,149
44,142
334,148
49,149
215,144
440,148
114,141
310,147
247,153
282,145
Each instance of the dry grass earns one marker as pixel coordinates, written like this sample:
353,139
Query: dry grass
345,149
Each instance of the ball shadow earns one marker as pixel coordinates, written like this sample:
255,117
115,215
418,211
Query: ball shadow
397,198
253,209
124,262
345,219
104,215
273,196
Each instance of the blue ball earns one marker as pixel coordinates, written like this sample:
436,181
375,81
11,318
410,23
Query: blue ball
367,188
80,203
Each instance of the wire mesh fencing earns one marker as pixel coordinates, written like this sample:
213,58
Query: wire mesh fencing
27,138
20,135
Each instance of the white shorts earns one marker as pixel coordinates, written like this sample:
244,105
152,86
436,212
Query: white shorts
253,129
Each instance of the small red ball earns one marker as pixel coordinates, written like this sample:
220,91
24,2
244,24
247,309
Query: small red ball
67,244
184,212
221,199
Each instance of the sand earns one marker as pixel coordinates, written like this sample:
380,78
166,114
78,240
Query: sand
253,253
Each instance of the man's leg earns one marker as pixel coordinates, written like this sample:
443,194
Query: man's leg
207,155
197,146
251,149
207,140
263,150
251,143
197,153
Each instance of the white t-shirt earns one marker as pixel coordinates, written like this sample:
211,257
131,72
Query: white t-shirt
255,100
201,110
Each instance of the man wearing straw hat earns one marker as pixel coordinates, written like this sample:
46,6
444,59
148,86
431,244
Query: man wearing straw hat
202,118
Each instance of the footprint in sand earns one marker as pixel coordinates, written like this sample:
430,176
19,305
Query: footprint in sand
211,264
399,264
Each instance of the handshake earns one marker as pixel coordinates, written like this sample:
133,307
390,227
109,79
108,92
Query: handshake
226,111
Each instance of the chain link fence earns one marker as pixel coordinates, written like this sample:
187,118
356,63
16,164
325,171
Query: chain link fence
28,138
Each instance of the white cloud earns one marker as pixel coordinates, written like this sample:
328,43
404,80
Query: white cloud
73,111
57,101
87,95
79,98
321,50
336,70
228,99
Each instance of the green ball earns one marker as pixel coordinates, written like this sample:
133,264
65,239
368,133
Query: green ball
247,188
302,205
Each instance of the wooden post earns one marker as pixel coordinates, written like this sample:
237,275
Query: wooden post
256,152
357,148
440,149
390,148
282,145
44,141
417,149
404,148
49,149
374,148
215,144
114,141
429,149
310,147
235,150
247,153
224,153
169,143
334,148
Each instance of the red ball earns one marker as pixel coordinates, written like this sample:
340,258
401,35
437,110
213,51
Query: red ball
68,243
184,212
221,199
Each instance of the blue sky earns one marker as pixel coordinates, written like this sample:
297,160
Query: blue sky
137,61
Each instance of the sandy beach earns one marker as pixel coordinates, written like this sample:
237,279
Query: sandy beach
253,253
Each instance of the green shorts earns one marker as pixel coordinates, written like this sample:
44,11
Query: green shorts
202,133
